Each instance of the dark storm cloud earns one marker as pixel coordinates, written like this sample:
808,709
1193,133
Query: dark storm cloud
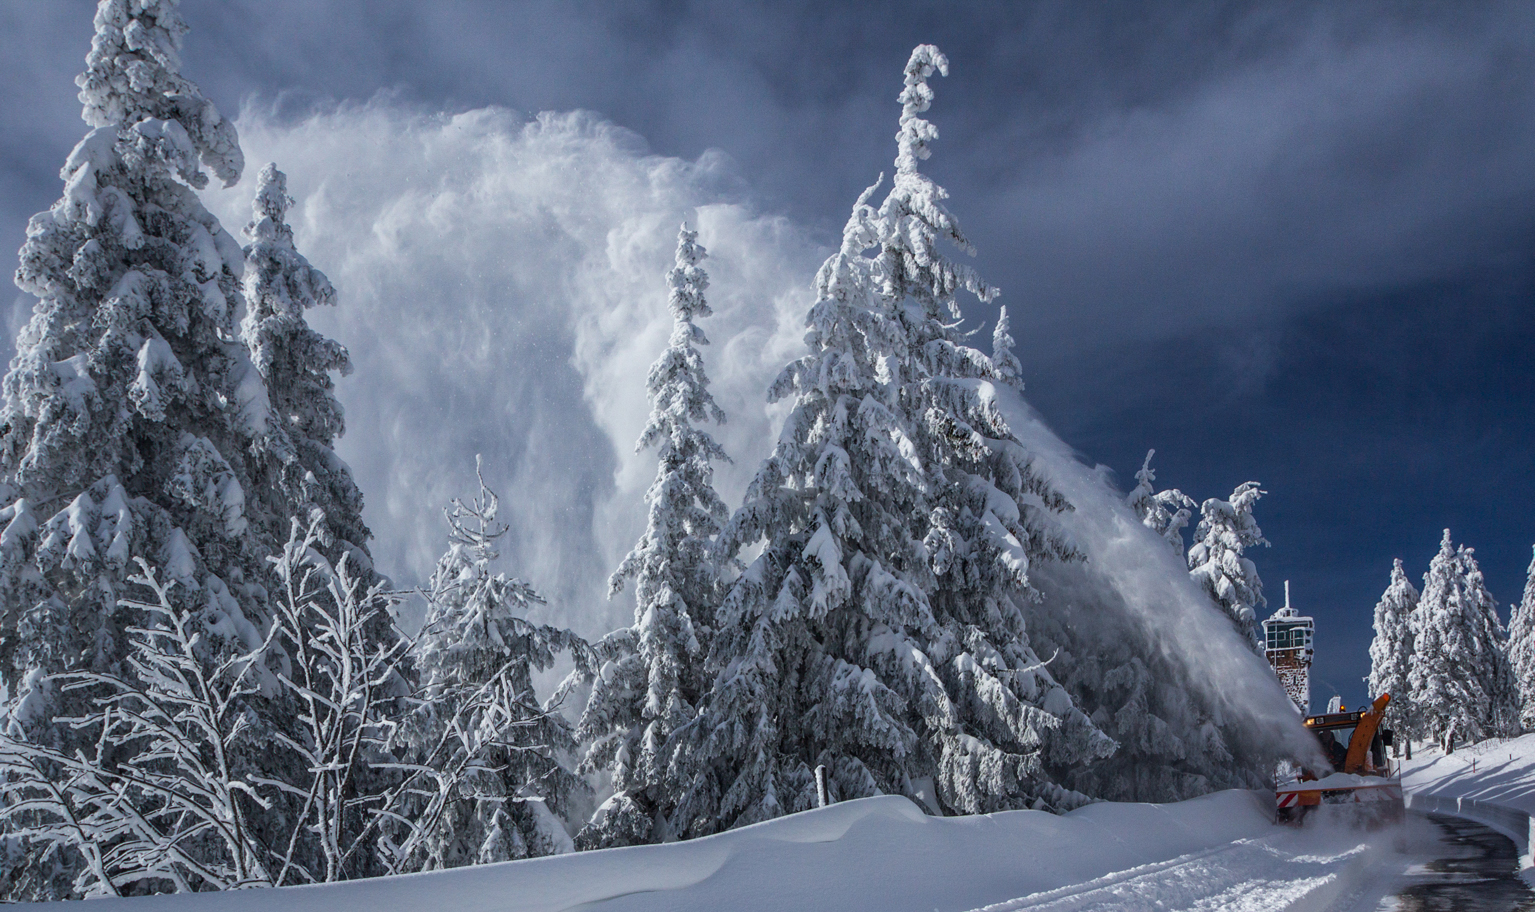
1133,168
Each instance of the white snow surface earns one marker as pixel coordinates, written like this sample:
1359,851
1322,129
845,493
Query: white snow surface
1216,852
1498,771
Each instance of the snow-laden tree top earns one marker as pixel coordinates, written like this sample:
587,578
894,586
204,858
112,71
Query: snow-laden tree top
1009,371
1226,530
133,76
914,214
1163,512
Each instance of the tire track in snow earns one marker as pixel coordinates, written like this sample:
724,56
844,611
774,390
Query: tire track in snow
1261,875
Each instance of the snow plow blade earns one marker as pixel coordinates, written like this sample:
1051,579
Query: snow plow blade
1365,801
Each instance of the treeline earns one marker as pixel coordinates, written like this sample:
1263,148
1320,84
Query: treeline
1454,673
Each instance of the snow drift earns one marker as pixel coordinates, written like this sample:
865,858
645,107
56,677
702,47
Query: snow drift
873,854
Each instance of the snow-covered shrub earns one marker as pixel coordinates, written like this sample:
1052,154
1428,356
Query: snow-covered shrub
184,779
340,689
484,762
158,795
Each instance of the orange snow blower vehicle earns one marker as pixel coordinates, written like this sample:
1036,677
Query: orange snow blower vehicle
1361,775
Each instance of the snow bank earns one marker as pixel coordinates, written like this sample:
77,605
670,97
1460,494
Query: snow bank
1499,771
1492,782
873,854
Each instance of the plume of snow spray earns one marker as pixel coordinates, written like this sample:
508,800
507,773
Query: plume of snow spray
501,292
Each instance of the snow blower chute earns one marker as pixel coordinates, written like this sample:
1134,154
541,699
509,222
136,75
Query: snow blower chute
1361,775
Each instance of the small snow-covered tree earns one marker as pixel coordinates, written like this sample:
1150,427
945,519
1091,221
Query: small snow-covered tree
1009,371
290,400
341,686
881,630
476,714
1226,530
1392,649
1460,680
1163,512
1521,650
652,673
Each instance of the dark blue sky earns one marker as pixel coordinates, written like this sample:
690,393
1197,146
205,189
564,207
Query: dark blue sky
1286,242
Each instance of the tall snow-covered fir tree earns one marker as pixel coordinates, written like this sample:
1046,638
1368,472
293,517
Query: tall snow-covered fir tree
1392,649
1163,512
1521,650
293,411
136,427
880,632
652,674
477,711
122,434
1226,530
1460,680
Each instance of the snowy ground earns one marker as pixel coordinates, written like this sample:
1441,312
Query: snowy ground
1219,852
1499,771
1216,852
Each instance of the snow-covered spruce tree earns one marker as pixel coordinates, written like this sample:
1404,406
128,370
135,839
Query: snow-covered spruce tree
1392,649
1226,530
294,413
880,632
476,713
1521,650
652,673
990,517
1009,371
1460,680
1163,512
121,433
